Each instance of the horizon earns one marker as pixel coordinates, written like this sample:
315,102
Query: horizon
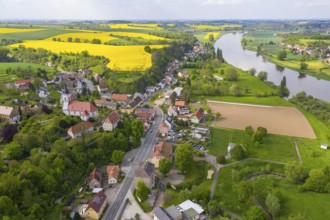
164,10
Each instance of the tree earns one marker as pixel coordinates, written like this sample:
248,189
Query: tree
6,206
295,172
69,39
255,213
316,181
214,208
183,157
8,132
142,191
235,90
164,166
244,191
147,49
263,76
249,130
281,55
211,37
273,204
13,151
117,156
137,132
303,66
217,115
231,75
283,91
3,54
252,71
239,152
221,158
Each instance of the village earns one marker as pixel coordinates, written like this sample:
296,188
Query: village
104,183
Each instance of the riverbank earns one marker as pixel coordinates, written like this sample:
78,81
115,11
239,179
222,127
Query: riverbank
270,47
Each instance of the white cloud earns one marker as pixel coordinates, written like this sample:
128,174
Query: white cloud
313,3
221,2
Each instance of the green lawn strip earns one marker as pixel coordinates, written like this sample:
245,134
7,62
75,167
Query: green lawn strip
224,189
313,205
270,100
273,147
36,35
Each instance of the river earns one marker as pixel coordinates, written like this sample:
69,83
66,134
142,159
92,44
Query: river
233,53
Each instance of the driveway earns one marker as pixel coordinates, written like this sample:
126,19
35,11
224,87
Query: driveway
132,208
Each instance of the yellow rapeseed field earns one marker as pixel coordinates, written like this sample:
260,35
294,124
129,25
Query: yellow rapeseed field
122,58
17,30
102,36
213,27
140,35
215,34
136,26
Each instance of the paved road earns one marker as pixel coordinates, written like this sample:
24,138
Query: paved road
114,210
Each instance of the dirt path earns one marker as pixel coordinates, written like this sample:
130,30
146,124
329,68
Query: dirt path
278,120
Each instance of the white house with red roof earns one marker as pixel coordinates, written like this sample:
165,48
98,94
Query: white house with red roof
111,122
84,110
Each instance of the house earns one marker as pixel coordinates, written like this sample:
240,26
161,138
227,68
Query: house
103,103
183,110
9,113
94,179
145,113
190,210
164,129
161,84
84,110
23,83
178,91
136,101
162,150
183,74
95,207
198,116
169,121
42,93
121,98
324,146
81,128
203,130
111,122
170,213
179,103
151,89
145,172
171,111
113,174
160,214
102,88
174,212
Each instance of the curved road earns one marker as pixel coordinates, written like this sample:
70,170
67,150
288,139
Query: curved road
114,210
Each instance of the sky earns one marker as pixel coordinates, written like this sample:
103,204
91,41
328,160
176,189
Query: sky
164,9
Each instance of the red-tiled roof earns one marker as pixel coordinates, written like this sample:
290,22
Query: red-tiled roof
95,174
82,126
97,202
199,114
113,118
119,97
180,103
23,81
163,149
98,101
81,106
113,171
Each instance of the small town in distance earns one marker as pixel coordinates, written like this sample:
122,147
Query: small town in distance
218,116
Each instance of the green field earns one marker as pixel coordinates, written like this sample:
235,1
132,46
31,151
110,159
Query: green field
271,100
273,147
5,78
35,35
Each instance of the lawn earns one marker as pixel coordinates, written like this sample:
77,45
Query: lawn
224,189
36,35
273,147
122,58
4,77
313,205
271,100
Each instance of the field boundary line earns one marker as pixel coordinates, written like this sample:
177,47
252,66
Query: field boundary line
244,104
